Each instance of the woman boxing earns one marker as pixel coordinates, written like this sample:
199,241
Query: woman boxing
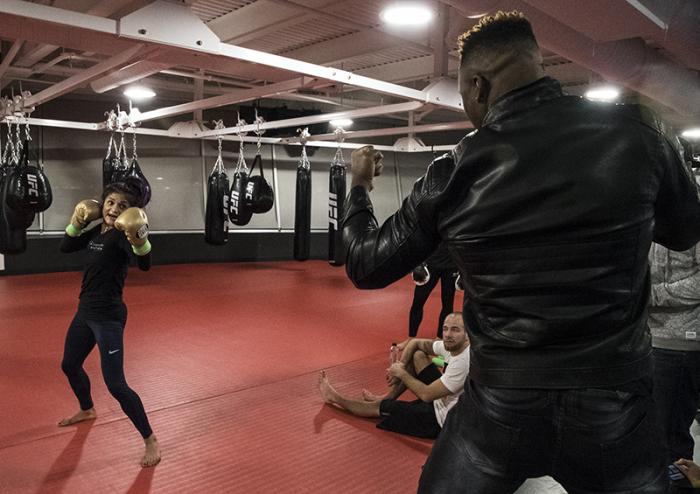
101,314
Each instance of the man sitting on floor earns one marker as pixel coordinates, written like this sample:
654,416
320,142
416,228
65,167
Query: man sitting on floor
437,392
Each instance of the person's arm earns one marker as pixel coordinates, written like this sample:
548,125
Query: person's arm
85,211
376,256
134,223
412,345
690,470
677,208
681,292
425,392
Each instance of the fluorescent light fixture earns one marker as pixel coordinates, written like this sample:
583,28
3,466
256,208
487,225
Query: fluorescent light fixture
692,133
407,14
138,93
341,122
603,93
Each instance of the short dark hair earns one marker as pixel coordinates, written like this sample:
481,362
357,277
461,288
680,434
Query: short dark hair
503,30
120,188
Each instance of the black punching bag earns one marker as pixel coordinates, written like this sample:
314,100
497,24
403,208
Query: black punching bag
336,199
216,220
302,210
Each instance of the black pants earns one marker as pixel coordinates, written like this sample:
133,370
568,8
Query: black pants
676,393
588,440
421,294
84,332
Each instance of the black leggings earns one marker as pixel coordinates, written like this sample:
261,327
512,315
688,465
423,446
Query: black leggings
83,334
421,294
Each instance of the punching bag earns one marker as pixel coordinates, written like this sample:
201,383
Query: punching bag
110,163
28,188
138,182
336,200
216,216
259,196
239,213
302,210
13,223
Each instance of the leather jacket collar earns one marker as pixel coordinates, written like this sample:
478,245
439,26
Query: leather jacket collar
523,98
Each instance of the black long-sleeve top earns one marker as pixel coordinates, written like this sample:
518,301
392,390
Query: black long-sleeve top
105,269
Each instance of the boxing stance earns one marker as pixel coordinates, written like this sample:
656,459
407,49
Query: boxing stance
101,314
437,392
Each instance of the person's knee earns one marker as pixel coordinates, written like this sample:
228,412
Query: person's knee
420,359
118,389
69,367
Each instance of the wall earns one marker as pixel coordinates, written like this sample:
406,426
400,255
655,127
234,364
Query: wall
177,170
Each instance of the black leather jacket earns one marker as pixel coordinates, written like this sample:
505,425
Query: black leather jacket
548,211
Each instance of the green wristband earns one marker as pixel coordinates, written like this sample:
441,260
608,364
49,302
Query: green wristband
73,231
143,250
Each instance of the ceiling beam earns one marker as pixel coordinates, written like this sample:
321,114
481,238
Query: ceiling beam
83,77
312,119
411,129
230,98
130,73
9,56
260,18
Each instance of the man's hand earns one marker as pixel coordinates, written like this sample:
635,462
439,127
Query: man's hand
690,470
397,370
366,163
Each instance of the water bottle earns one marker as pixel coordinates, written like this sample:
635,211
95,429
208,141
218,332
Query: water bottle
393,354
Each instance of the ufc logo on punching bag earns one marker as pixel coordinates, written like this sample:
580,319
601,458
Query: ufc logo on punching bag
333,209
234,202
33,185
225,201
249,191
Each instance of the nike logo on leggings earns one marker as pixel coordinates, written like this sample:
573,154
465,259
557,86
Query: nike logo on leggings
111,352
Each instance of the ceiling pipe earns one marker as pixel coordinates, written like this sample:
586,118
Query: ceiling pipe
629,62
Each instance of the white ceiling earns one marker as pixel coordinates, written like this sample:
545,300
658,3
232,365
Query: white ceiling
650,47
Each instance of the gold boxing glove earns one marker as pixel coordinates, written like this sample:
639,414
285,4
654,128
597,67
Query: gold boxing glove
85,211
134,223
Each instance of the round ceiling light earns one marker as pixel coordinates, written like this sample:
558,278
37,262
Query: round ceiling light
692,133
603,93
341,122
407,14
138,93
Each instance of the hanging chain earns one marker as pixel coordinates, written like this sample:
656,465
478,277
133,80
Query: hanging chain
241,165
18,143
219,165
339,137
134,156
9,147
258,132
27,134
303,137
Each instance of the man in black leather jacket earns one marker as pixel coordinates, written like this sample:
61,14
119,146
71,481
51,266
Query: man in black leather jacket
548,210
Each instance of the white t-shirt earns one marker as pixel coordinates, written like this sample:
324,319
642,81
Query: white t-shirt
453,379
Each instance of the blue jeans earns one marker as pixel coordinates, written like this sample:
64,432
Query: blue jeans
589,440
676,393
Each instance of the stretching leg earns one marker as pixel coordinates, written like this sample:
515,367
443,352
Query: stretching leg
361,408
419,362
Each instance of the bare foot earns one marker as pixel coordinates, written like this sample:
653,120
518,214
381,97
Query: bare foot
324,387
369,396
81,416
151,457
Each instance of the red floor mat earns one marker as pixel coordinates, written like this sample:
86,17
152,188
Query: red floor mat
225,358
